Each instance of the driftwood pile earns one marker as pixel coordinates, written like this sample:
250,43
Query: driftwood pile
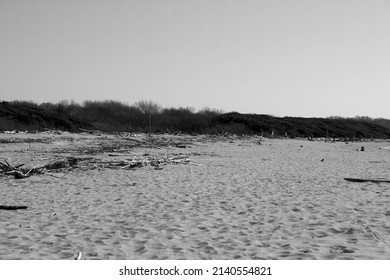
17,171
149,160
69,163
20,173
102,151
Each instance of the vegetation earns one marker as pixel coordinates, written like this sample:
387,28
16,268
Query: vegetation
19,115
147,116
346,128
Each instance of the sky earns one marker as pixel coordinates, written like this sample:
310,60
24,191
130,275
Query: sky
304,58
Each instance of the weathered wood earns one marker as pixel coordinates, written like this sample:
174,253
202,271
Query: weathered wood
9,207
4,167
64,163
90,131
360,180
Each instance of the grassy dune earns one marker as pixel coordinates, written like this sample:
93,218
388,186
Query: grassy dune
113,116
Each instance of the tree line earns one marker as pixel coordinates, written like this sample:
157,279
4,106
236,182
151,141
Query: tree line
149,117
107,116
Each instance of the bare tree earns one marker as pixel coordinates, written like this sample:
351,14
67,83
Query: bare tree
148,107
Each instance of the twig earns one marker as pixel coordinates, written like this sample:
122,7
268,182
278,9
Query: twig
59,177
8,164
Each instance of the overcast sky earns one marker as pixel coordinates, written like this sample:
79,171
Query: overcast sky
306,58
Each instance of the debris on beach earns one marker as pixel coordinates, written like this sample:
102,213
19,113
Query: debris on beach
20,173
10,132
63,163
359,180
10,207
147,160
69,163
79,256
84,152
17,171
89,131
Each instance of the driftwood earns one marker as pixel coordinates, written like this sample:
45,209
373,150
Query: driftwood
367,180
21,173
18,174
16,171
112,148
64,163
90,163
148,160
90,131
8,207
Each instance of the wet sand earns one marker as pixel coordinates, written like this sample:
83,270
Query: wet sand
277,200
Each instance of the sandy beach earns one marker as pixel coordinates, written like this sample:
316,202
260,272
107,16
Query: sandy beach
281,199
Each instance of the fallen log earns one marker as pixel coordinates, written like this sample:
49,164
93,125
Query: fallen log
359,180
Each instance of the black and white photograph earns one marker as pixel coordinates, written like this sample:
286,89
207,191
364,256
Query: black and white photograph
162,130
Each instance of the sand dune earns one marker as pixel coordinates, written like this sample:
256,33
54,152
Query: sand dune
277,200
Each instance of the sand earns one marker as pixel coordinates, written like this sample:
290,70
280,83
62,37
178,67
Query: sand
283,199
